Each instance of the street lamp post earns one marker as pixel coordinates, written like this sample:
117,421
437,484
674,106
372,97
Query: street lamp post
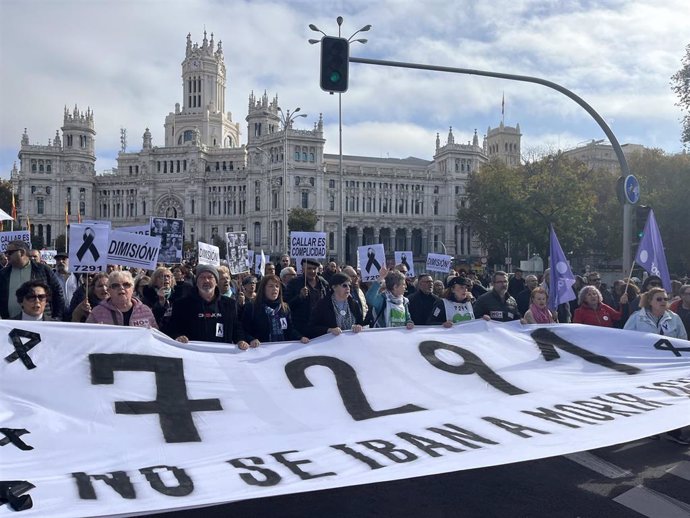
286,118
341,246
266,176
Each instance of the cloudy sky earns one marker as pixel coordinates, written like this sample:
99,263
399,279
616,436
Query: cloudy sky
122,58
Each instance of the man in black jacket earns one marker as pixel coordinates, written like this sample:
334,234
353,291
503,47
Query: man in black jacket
497,304
422,301
204,315
21,269
303,293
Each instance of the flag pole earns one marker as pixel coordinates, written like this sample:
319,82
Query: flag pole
629,276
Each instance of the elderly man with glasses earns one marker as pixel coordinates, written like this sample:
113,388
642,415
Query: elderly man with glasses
21,269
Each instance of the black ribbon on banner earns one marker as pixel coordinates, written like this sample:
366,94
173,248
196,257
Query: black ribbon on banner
87,245
21,349
11,491
12,436
372,261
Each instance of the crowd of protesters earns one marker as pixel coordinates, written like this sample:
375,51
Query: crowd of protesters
207,303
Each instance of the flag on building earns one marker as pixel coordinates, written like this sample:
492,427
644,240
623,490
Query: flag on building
561,278
650,253
14,207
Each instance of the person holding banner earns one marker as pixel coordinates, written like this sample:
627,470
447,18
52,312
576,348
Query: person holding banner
455,306
339,312
205,315
594,312
121,308
268,318
161,293
390,308
497,304
538,311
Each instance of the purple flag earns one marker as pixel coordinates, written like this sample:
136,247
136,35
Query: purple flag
650,253
561,278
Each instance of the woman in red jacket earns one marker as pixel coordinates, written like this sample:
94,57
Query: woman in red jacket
592,310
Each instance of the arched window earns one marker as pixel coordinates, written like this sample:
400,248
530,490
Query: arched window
257,233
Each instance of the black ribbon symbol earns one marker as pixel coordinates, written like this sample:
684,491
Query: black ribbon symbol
372,261
89,236
403,261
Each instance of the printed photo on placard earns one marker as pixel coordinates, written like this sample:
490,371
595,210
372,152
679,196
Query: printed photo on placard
237,255
171,232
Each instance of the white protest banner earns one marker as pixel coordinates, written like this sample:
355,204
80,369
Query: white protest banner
135,250
307,245
88,247
117,441
171,232
208,254
48,256
371,259
260,264
237,252
405,258
6,237
144,230
438,263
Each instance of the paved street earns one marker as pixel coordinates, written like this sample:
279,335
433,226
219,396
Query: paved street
649,478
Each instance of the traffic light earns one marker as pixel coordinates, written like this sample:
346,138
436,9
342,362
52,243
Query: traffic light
335,63
641,216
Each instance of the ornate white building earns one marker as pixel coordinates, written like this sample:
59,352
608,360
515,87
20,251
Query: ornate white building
204,175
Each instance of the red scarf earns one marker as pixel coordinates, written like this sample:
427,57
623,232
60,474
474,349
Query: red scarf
541,316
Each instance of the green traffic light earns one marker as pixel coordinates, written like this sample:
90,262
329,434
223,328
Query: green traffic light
334,77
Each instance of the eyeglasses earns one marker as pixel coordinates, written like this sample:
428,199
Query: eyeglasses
117,285
661,299
346,285
43,297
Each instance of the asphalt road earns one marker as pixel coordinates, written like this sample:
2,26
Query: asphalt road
646,478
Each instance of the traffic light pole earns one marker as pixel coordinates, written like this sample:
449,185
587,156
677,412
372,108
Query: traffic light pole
625,171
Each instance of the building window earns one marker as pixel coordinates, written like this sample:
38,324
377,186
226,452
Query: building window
305,200
331,184
82,208
40,206
331,202
257,203
187,136
257,234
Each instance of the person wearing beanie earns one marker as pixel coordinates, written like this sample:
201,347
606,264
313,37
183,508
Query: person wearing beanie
204,315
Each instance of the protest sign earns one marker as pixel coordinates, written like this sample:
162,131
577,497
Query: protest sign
88,247
144,230
145,424
307,245
208,254
48,256
438,263
371,258
406,259
171,232
237,252
134,250
6,237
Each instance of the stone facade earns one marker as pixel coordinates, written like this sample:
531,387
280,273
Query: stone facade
205,175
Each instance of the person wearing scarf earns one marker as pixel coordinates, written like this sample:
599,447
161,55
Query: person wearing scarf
267,318
338,312
538,313
389,305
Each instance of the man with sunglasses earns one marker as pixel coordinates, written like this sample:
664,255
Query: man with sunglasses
21,269
32,297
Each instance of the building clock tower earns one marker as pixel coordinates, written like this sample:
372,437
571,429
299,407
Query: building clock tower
202,121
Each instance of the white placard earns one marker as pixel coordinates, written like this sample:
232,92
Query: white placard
208,254
105,222
439,263
88,247
405,258
171,232
260,264
307,245
371,259
6,237
144,230
48,256
135,250
117,443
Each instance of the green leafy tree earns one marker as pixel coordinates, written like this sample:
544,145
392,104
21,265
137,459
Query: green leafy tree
680,84
302,220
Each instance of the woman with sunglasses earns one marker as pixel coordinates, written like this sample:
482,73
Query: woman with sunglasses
337,313
121,308
655,317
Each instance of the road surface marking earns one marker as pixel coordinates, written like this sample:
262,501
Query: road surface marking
591,461
652,504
